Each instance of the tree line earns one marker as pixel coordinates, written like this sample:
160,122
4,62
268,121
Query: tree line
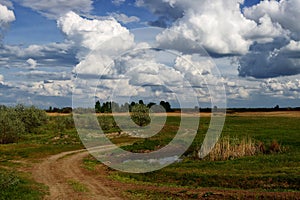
109,107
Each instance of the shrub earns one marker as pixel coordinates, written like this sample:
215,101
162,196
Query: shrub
11,127
230,148
32,117
19,120
62,123
275,147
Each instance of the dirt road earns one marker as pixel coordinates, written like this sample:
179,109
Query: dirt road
63,172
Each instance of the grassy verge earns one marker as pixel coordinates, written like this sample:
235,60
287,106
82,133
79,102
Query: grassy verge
19,186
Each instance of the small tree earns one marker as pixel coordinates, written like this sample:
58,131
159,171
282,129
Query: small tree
140,114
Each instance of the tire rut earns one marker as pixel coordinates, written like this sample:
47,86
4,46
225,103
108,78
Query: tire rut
58,170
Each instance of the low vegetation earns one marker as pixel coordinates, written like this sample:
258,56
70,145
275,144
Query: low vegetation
256,153
77,186
20,120
232,148
18,186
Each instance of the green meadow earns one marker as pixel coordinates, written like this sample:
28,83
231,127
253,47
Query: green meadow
273,167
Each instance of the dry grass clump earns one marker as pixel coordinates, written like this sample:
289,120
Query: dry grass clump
230,148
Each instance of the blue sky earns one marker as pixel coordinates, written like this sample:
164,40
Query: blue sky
32,28
255,46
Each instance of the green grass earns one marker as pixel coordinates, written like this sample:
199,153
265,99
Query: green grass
19,186
77,186
90,163
154,195
271,172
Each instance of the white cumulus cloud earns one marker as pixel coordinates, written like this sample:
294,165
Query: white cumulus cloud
89,34
96,39
32,63
6,15
284,12
259,34
218,26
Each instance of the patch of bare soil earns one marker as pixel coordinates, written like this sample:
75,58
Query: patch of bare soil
57,171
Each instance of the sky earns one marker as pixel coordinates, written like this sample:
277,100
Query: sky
242,53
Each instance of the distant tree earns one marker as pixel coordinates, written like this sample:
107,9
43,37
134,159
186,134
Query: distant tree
141,102
151,104
166,106
66,110
56,110
276,107
106,107
125,107
98,107
115,107
215,109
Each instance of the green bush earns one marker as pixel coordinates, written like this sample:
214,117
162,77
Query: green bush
19,120
11,127
32,117
62,123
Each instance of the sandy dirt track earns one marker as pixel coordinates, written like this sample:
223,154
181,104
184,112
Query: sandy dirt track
58,170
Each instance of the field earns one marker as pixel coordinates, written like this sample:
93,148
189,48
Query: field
30,168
